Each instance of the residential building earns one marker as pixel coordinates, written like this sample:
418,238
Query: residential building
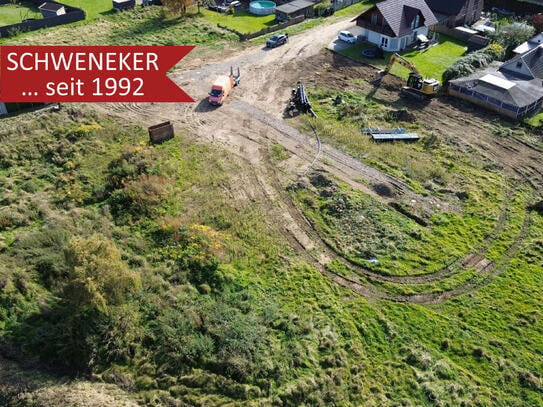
393,25
513,89
456,13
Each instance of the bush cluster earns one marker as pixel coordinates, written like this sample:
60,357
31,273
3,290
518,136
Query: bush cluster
468,64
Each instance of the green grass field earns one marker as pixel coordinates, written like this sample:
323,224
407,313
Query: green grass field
14,13
92,8
433,62
242,21
142,26
354,10
218,309
430,63
149,26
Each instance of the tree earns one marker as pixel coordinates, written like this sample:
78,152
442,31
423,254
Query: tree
178,7
511,36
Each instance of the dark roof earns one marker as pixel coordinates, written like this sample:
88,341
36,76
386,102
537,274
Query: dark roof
294,6
522,93
448,7
400,14
532,64
48,6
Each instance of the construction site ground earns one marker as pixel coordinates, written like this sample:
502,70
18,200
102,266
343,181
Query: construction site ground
250,127
253,117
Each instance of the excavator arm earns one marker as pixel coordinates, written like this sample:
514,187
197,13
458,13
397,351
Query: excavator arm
416,85
396,58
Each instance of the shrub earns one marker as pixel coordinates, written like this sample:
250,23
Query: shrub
443,370
418,358
510,36
43,250
139,197
128,167
323,9
97,278
529,380
468,64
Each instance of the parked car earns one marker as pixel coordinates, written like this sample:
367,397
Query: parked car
347,36
276,40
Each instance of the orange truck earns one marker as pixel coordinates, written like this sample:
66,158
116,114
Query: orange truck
222,87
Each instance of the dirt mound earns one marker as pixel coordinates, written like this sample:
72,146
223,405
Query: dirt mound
403,116
383,190
317,179
538,207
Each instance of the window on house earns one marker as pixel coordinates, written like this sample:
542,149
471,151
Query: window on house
519,64
416,21
374,18
384,42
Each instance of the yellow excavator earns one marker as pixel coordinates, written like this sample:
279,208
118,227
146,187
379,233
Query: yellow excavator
417,86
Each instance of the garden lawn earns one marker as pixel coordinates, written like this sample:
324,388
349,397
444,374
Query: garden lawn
14,13
433,62
242,21
92,8
355,9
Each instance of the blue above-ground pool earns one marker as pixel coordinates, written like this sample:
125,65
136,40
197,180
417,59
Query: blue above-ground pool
262,7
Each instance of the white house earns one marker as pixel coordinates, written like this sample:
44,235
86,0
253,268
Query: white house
395,24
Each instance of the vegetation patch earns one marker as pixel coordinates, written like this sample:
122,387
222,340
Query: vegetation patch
15,13
434,61
241,21
140,26
92,9
431,63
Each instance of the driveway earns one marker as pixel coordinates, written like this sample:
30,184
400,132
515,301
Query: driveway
338,45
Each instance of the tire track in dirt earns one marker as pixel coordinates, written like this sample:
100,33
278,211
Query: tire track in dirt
491,271
303,234
338,160
327,252
265,65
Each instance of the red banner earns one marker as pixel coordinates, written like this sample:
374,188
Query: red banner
90,74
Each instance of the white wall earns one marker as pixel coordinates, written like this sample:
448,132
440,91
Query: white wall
374,38
394,44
